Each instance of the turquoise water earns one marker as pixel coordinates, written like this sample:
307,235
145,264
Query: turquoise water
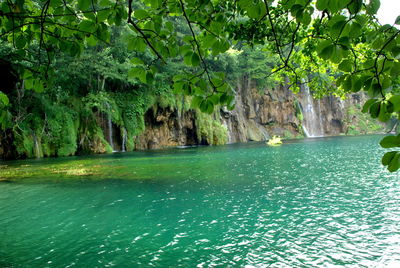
310,203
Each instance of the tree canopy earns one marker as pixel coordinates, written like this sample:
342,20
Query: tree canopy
334,40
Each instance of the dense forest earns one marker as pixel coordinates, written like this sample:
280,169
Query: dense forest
75,71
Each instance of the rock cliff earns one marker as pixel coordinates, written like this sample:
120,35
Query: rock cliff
259,115
167,127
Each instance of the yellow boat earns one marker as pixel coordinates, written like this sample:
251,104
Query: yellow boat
275,141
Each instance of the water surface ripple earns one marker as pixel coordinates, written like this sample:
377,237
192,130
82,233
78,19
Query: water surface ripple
312,203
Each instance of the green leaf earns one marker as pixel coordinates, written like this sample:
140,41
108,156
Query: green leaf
4,99
156,3
188,89
38,86
395,51
187,59
397,21
208,41
390,142
75,49
178,77
84,4
223,88
29,83
195,59
394,163
355,30
223,98
223,46
178,87
386,82
325,49
355,6
336,5
149,77
367,105
357,83
395,100
388,157
136,61
374,109
395,71
348,83
304,17
183,50
91,40
207,106
337,54
196,101
103,15
322,4
384,115
344,41
216,48
87,26
214,99
254,11
188,38
105,3
139,73
20,42
346,66
368,83
136,44
375,89
373,6
337,24
140,14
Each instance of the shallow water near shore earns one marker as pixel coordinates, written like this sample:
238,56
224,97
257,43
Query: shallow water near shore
307,203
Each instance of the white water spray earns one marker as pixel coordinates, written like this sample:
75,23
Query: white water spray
312,121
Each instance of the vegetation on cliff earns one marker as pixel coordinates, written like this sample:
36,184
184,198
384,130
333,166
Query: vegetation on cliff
96,58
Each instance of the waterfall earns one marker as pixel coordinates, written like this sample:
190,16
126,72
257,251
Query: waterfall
109,126
124,134
36,148
264,132
312,121
229,131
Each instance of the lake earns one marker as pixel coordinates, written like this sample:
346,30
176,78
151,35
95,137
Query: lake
308,203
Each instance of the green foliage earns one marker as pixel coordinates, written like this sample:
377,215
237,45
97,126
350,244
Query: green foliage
5,116
353,51
258,64
357,123
210,130
47,130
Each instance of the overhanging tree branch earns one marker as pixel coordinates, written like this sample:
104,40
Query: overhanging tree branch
140,31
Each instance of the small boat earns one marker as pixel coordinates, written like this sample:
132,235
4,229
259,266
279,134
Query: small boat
274,141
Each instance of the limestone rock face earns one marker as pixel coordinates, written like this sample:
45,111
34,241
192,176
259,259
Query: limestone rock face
257,116
166,128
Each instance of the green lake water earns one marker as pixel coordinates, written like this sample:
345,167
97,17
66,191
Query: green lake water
310,203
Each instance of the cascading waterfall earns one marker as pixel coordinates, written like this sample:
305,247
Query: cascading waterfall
312,121
124,135
109,126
